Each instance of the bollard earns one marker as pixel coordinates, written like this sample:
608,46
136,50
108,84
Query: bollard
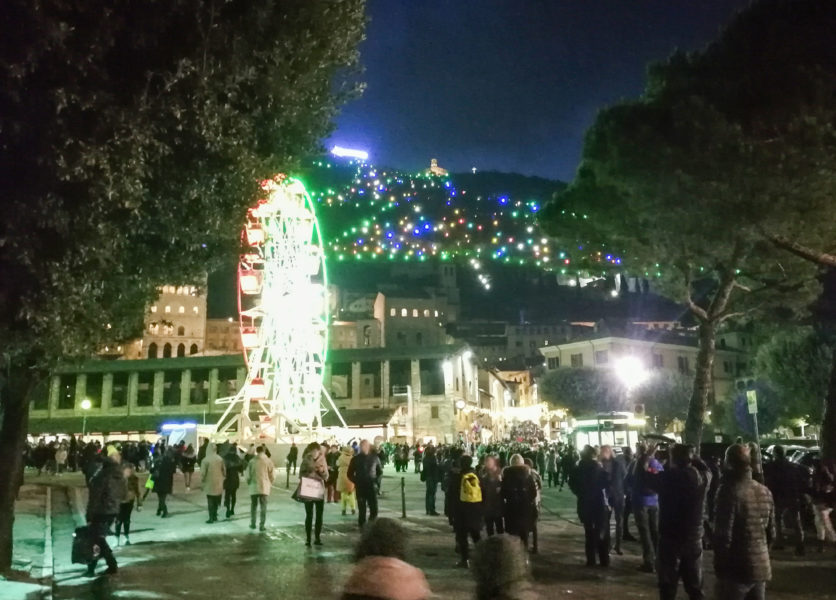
287,479
403,497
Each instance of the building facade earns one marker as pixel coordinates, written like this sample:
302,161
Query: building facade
175,325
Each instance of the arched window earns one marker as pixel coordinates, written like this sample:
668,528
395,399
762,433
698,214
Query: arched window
167,351
193,349
152,350
181,350
181,330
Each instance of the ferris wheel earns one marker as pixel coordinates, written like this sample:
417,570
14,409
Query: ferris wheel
283,314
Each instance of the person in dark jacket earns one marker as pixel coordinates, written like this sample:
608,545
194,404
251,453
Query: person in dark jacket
616,471
492,496
364,471
466,505
519,493
744,528
106,491
163,475
682,489
292,457
788,482
590,482
645,504
431,476
232,479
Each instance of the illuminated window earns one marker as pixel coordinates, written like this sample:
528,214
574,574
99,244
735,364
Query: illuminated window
404,312
182,310
195,310
436,313
167,309
393,312
154,308
426,312
414,312
181,330
153,328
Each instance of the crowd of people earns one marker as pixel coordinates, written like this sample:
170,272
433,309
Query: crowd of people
680,504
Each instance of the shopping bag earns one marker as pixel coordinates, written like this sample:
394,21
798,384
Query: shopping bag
311,488
84,548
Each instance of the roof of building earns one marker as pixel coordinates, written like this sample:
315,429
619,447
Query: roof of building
641,334
359,417
393,353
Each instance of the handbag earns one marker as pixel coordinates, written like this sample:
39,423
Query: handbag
84,549
311,489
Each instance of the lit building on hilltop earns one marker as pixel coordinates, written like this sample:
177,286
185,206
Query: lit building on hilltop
175,324
435,169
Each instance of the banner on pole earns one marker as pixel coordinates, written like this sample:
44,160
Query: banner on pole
752,401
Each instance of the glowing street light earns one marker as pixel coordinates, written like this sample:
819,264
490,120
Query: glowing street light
631,371
85,406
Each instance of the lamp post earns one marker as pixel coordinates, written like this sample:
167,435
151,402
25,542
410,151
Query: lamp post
85,406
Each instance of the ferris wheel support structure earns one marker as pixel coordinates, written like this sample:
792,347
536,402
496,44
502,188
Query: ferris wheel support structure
283,316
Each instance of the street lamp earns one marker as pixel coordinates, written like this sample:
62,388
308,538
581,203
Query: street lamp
630,371
85,406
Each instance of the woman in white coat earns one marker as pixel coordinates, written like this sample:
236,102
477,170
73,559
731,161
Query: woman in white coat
314,466
260,478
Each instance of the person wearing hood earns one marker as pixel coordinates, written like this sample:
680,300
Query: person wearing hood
106,490
314,466
519,493
260,477
232,481
213,473
348,496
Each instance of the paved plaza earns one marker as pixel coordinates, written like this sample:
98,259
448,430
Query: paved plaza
183,557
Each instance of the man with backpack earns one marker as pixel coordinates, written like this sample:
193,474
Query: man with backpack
465,493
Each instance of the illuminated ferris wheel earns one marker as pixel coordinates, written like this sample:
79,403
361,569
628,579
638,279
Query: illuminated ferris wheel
283,313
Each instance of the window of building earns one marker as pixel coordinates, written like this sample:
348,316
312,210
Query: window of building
370,379
152,350
66,391
168,329
341,380
682,365
414,312
658,360
602,357
145,388
196,310
171,388
433,412
119,390
401,338
181,349
182,310
554,362
532,344
393,312
154,308
432,376
576,360
400,373
167,309
199,386
227,382
404,312
167,351
435,313
153,328
93,389
181,330
727,367
426,312
722,343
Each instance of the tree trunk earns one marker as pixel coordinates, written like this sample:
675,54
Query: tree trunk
828,422
12,438
703,378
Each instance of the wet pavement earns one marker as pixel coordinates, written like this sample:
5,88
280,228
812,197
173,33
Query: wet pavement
183,557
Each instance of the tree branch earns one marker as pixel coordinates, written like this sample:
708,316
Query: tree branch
793,247
698,310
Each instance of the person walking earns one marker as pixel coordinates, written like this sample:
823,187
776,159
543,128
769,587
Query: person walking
492,496
260,477
431,476
519,494
364,471
212,474
824,500
331,492
232,479
682,488
187,463
126,506
466,506
418,457
627,461
314,466
292,457
744,528
551,467
163,478
106,490
346,488
645,505
787,481
590,483
615,492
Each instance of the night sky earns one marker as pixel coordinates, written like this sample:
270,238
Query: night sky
509,85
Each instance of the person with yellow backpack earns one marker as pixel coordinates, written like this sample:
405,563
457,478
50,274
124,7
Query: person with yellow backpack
465,493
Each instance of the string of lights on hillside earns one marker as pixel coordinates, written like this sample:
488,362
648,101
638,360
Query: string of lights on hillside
372,214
